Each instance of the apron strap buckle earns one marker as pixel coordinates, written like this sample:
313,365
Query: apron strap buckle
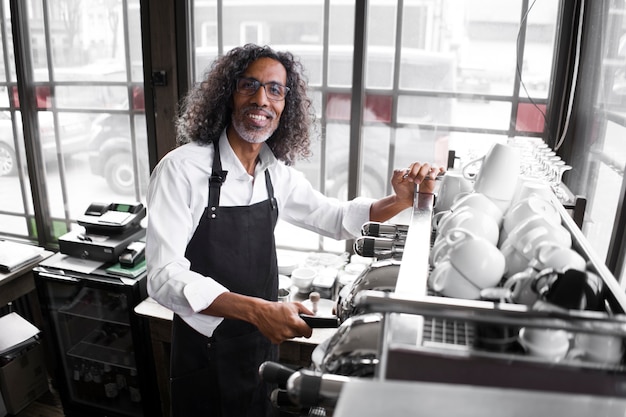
217,178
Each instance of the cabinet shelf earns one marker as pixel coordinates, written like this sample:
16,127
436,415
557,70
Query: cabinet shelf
117,353
89,305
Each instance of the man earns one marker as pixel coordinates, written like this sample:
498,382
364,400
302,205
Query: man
214,202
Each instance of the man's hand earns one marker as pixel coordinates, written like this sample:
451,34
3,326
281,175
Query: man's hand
277,321
281,321
403,181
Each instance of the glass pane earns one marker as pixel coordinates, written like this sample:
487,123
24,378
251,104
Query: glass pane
484,40
134,41
341,40
15,202
92,97
38,51
600,154
16,206
605,167
600,212
79,55
420,109
483,114
204,36
469,146
422,70
381,34
282,23
63,133
420,144
539,48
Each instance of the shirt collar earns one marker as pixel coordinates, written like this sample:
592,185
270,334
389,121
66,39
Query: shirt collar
231,163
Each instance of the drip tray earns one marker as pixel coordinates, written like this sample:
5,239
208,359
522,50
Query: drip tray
453,334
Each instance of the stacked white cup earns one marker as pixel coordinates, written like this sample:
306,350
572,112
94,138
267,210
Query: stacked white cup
452,185
470,219
498,174
548,257
531,223
464,265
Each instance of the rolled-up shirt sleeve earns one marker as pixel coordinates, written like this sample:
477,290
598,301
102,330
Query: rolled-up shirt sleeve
306,207
171,224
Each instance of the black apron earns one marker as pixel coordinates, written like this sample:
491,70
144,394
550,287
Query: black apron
218,376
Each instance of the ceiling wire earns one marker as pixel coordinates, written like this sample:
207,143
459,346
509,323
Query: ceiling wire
574,75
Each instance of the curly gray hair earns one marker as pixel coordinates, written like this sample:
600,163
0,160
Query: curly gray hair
207,108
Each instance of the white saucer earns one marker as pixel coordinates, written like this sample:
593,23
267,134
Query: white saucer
325,307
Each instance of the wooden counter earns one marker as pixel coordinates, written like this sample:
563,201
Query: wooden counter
296,352
21,282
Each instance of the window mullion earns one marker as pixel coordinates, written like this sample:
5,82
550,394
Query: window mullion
26,94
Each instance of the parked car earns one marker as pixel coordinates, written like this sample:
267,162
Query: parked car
73,137
111,152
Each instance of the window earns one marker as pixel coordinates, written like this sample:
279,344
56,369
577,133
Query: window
252,33
84,136
209,34
596,140
440,75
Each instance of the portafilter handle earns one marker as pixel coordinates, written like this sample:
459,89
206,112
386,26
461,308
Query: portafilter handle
393,231
280,400
379,247
275,373
310,389
320,322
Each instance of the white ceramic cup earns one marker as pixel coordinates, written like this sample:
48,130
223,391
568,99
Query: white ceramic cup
520,246
601,348
521,288
443,243
499,172
448,281
548,258
527,187
303,278
476,222
546,343
559,258
480,202
470,264
284,295
560,234
478,260
452,184
527,208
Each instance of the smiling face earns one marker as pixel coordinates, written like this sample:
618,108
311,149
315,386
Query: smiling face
256,117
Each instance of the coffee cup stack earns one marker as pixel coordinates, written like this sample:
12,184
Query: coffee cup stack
499,211
504,232
464,264
498,175
464,256
469,212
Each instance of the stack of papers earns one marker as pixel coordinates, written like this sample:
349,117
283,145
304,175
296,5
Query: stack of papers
69,263
124,271
15,332
15,255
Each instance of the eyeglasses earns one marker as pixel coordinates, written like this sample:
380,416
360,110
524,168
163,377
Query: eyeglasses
274,91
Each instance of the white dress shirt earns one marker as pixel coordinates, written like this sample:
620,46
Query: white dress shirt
178,194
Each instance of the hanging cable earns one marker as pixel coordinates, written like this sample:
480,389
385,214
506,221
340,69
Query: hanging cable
574,76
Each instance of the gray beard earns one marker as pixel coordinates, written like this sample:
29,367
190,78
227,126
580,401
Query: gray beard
250,136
